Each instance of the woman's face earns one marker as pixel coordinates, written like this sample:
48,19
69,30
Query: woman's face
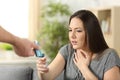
77,33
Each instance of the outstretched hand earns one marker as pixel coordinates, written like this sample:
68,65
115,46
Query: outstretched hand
24,47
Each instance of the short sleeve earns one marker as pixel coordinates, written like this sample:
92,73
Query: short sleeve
64,51
112,60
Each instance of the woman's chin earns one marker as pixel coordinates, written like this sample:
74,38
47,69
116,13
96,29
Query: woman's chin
75,47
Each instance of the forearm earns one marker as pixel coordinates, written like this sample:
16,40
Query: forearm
88,75
7,37
51,74
54,68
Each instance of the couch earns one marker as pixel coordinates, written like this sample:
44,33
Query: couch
20,71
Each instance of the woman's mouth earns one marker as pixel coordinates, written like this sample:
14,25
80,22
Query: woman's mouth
74,42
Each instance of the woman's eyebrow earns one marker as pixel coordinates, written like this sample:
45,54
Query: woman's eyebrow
79,28
76,28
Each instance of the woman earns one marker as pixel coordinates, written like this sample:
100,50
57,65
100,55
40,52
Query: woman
87,57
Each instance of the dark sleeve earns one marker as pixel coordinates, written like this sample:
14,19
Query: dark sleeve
112,60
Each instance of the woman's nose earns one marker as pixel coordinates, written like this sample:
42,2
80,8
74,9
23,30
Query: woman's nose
73,34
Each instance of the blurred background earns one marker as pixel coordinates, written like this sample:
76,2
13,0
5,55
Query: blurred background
47,20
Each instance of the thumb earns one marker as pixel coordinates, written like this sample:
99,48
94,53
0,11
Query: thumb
35,46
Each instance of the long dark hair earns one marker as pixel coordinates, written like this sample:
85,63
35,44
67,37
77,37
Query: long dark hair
94,35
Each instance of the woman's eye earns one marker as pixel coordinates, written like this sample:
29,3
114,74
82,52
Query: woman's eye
79,30
70,30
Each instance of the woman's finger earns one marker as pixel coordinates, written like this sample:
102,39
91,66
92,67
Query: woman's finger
85,54
76,57
42,67
79,54
42,70
41,60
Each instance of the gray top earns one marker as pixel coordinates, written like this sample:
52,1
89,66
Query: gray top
98,66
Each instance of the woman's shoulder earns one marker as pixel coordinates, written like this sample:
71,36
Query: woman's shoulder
65,51
111,58
110,52
107,54
66,47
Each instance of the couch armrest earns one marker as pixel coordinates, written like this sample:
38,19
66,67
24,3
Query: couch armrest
15,72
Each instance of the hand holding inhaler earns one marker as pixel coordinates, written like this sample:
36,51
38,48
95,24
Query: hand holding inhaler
41,62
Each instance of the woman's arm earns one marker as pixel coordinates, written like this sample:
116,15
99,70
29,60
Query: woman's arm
112,74
54,68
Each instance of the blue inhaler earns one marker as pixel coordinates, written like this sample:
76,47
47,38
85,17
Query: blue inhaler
38,53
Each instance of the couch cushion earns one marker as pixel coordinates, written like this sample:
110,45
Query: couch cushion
15,72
